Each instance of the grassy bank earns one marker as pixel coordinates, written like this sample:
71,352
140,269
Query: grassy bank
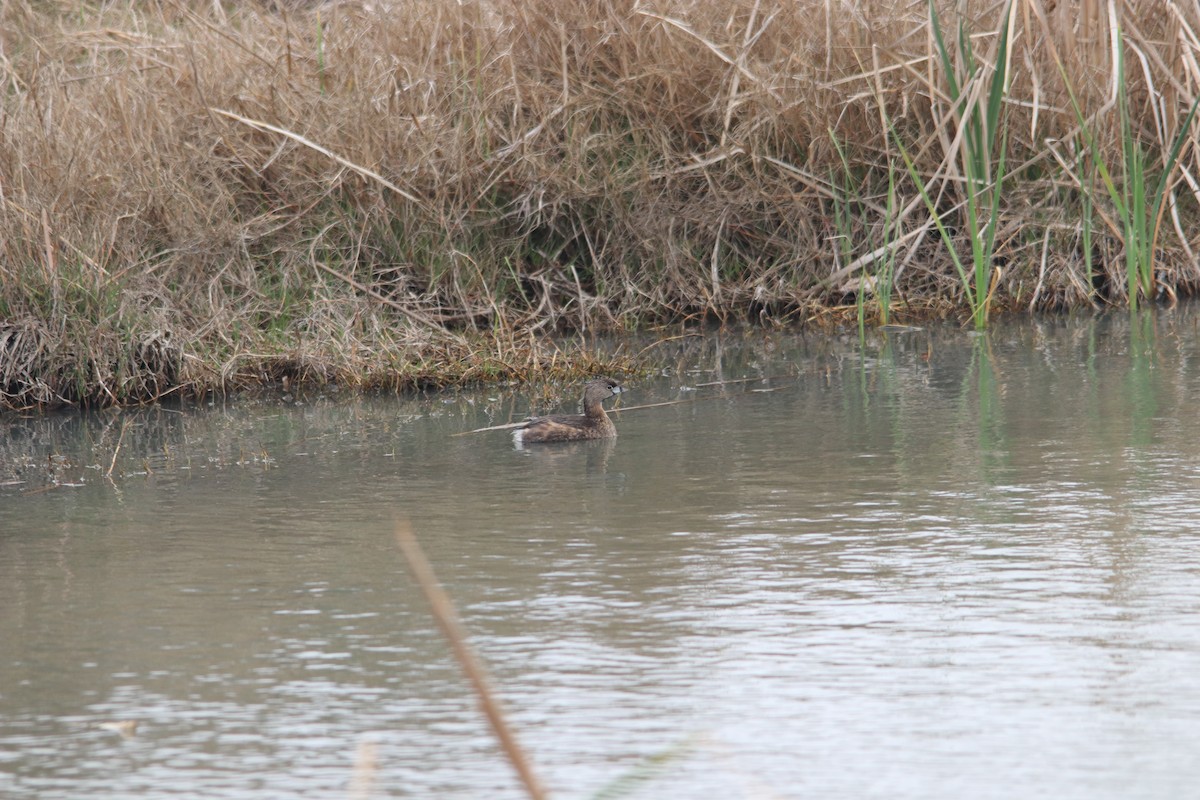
195,196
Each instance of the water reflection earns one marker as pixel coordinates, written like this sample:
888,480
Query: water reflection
929,565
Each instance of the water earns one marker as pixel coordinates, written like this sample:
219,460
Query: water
934,566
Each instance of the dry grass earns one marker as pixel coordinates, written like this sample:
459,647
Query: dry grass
195,195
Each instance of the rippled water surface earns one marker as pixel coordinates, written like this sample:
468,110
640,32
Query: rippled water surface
930,565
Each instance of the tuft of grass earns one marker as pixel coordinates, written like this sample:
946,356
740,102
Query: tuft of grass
848,206
976,93
1138,212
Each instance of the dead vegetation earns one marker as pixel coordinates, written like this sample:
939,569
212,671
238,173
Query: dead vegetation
198,195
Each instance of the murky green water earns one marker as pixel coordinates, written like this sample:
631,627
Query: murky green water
939,566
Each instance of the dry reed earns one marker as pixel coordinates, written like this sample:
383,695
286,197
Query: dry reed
452,629
201,195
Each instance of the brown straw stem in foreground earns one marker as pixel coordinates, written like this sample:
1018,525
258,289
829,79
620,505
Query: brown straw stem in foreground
456,635
366,767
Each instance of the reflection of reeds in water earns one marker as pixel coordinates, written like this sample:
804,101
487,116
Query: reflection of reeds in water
448,621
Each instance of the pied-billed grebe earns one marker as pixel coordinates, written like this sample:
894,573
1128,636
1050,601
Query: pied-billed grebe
592,424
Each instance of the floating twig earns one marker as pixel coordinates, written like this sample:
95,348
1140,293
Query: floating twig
509,426
618,409
724,382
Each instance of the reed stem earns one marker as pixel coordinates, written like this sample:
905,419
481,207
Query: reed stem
452,628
